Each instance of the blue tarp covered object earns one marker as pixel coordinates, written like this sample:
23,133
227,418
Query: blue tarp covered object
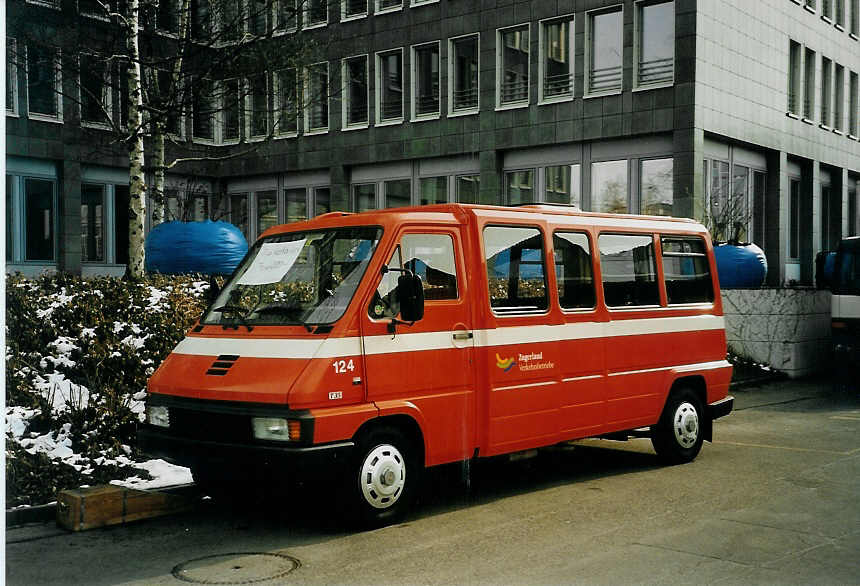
211,248
740,267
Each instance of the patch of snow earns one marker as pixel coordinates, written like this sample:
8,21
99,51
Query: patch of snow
163,474
17,420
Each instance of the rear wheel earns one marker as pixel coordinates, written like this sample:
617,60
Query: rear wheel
385,474
677,437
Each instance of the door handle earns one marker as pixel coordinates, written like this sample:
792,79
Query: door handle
463,335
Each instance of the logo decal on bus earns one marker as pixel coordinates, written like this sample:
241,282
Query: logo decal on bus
505,364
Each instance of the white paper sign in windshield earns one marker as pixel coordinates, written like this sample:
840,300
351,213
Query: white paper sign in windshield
272,262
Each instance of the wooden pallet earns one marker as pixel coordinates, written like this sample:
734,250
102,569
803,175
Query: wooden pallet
99,506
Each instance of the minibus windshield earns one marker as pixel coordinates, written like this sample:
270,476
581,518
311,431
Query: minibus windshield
299,278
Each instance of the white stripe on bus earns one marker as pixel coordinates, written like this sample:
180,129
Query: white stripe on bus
441,340
545,384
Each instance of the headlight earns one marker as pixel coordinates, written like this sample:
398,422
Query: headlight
276,428
158,415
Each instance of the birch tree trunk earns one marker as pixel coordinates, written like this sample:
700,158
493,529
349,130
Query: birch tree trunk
137,181
157,196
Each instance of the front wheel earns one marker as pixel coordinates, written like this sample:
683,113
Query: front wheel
677,437
386,473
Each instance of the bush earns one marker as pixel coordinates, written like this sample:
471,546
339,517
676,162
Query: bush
77,358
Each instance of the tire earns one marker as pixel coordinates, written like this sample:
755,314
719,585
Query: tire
384,476
677,437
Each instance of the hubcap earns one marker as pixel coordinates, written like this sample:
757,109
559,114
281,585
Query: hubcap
686,425
383,475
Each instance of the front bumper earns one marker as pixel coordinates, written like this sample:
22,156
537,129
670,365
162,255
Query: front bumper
721,408
294,461
219,435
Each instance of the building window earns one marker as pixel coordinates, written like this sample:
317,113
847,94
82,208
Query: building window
826,91
356,92
286,110
233,208
353,9
556,59
468,188
167,16
398,193
604,51
201,20
257,106
854,107
316,13
854,18
512,66
425,81
43,83
433,190
561,185
655,187
463,74
388,5
655,43
686,270
794,219
515,269
92,223
794,76
259,14
39,219
389,86
573,273
170,98
286,15
267,210
759,203
316,98
203,110
852,210
364,197
827,10
231,113
322,200
11,183
838,98
519,186
809,5
186,206
296,201
11,78
231,22
609,187
826,217
738,205
95,89
422,2
629,270
839,14
809,84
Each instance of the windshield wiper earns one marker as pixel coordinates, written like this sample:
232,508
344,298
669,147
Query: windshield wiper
238,312
291,311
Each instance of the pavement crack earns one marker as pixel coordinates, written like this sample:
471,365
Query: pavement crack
701,555
786,402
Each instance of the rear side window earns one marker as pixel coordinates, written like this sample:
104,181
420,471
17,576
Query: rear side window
573,270
686,270
629,270
515,269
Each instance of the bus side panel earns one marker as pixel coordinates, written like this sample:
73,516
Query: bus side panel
340,423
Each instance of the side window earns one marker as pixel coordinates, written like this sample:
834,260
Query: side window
686,270
431,257
573,270
629,270
515,269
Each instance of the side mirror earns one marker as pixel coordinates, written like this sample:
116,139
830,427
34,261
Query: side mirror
213,291
410,292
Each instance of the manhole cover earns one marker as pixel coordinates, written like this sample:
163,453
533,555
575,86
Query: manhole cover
236,568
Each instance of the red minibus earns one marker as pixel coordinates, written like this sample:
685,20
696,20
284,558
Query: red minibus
377,344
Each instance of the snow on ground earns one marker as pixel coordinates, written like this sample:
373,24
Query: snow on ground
163,474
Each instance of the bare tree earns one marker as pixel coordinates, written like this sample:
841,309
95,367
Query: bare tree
178,68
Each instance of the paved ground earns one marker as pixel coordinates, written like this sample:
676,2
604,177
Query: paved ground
773,500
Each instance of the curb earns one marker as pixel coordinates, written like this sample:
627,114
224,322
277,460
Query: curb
46,513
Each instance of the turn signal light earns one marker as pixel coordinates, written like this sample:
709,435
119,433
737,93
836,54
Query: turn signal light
839,324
